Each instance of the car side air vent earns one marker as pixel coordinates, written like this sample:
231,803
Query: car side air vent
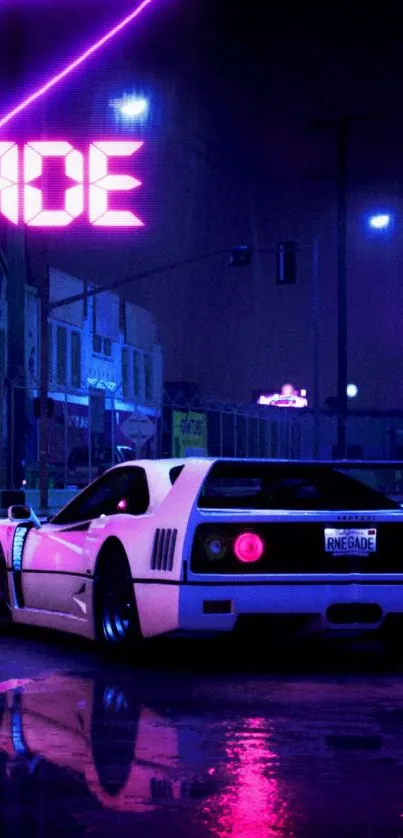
162,557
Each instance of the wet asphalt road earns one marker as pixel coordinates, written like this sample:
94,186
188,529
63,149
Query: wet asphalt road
199,740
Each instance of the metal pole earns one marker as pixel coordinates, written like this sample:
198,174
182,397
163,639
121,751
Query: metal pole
12,435
171,266
155,438
113,430
221,432
315,339
161,430
342,288
89,439
43,393
13,47
66,440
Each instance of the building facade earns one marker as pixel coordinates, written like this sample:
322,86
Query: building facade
105,365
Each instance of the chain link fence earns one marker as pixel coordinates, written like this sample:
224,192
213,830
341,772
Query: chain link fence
87,433
90,431
233,430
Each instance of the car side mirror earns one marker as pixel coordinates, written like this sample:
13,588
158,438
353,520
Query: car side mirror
18,512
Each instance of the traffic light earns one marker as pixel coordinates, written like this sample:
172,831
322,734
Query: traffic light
286,263
37,408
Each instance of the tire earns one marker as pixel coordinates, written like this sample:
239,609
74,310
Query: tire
391,635
114,726
5,610
117,625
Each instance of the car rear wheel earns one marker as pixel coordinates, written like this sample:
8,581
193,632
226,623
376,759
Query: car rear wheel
116,618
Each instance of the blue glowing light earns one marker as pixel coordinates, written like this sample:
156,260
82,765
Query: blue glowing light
132,108
20,535
17,734
352,391
381,221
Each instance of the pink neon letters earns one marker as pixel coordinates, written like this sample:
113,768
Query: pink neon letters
23,197
34,214
9,181
101,183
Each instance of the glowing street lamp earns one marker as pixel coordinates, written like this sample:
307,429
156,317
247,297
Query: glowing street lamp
380,221
132,108
352,391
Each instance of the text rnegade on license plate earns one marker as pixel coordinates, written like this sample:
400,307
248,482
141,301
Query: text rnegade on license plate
350,542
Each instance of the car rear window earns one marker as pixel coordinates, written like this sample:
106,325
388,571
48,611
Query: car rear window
387,478
242,485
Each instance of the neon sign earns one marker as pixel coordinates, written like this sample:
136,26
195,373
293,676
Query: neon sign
91,183
287,397
81,59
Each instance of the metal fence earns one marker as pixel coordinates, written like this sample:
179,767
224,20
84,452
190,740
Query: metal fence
233,430
88,432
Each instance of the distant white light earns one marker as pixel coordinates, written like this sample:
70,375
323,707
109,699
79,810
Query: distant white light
380,222
131,107
352,391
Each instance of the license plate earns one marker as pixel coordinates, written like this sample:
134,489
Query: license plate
350,542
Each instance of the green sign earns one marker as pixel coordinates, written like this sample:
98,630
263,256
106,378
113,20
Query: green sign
189,433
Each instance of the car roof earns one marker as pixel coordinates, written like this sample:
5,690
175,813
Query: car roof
173,462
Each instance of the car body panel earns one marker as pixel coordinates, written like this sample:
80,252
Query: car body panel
60,559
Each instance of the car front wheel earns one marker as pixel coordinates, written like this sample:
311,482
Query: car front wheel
116,617
5,612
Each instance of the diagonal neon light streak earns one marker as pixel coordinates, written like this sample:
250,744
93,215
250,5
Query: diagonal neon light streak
74,64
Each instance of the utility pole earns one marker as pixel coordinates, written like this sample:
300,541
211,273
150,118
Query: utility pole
15,253
342,356
43,391
316,355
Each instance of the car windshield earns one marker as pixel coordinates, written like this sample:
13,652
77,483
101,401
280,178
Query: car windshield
317,486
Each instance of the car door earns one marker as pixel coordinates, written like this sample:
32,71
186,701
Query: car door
54,563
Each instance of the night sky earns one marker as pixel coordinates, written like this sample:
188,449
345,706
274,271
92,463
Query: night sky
285,73
294,67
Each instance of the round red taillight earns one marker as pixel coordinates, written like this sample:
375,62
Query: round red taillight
248,547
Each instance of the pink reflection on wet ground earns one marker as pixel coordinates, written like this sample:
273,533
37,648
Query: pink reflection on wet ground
252,802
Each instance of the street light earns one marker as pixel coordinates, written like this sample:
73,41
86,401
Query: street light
131,108
380,221
352,391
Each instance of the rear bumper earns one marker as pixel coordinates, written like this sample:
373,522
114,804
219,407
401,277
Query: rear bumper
307,607
190,607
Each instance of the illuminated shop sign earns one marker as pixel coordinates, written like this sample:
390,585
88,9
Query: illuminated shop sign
287,396
91,180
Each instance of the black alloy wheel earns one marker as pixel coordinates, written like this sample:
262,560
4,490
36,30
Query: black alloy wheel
114,727
116,616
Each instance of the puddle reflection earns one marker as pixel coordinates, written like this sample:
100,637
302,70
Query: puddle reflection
79,753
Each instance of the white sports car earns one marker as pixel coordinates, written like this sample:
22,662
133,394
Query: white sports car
205,546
